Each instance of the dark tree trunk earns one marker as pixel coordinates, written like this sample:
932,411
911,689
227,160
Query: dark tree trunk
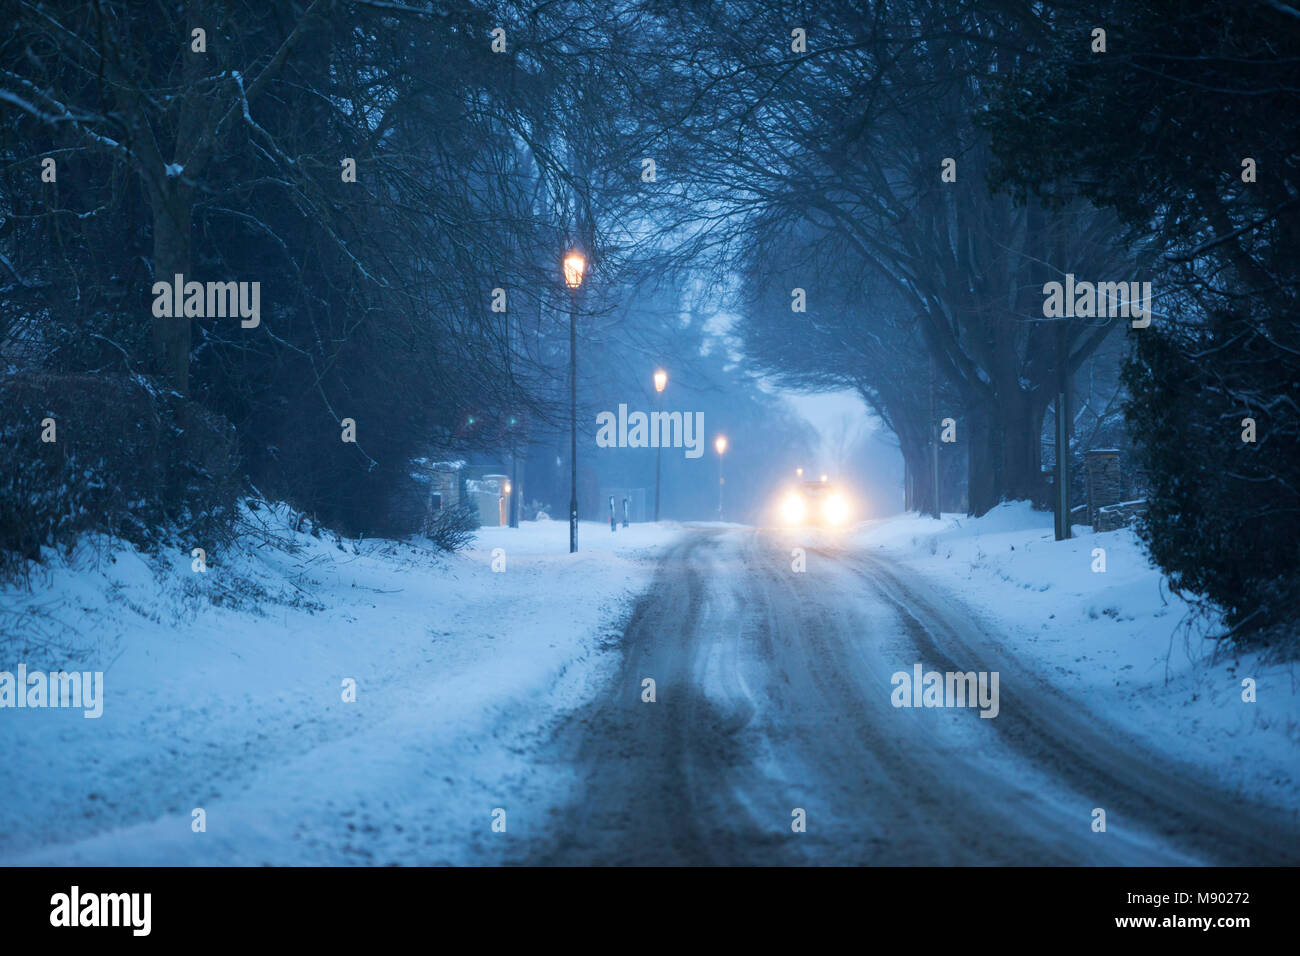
916,458
1021,423
983,461
171,257
1005,451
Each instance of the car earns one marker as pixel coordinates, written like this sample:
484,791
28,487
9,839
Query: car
816,503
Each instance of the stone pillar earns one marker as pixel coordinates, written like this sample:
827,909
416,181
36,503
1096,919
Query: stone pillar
1103,481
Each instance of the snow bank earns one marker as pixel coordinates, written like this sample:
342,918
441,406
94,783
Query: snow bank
224,691
1118,641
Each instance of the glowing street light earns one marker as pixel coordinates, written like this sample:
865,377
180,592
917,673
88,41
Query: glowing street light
503,504
661,382
575,263
513,504
720,446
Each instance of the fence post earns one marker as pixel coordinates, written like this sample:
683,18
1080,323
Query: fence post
1103,482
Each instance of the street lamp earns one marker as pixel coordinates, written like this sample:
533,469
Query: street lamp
513,508
574,265
661,381
720,445
1063,419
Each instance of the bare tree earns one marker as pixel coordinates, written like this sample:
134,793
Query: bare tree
850,135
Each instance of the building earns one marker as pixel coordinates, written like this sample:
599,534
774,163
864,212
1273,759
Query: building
491,494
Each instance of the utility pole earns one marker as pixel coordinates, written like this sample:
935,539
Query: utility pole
512,502
513,520
661,380
574,265
1062,497
720,446
573,420
659,454
720,481
934,435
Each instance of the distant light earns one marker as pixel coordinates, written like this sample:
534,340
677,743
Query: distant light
661,379
574,264
836,510
799,472
720,443
507,488
823,477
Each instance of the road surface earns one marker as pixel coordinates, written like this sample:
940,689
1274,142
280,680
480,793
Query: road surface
773,695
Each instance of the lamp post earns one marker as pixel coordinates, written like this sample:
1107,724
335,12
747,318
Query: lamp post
661,380
512,503
1063,414
934,440
720,445
574,264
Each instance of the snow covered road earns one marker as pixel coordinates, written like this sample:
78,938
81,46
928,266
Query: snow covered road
501,711
773,695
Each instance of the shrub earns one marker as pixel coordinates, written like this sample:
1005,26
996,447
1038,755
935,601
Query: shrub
127,460
1223,515
453,527
534,511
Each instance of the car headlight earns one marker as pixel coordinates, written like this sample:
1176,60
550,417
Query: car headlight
793,509
836,510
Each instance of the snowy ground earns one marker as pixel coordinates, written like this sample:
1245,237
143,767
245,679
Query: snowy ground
478,691
1117,641
238,708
